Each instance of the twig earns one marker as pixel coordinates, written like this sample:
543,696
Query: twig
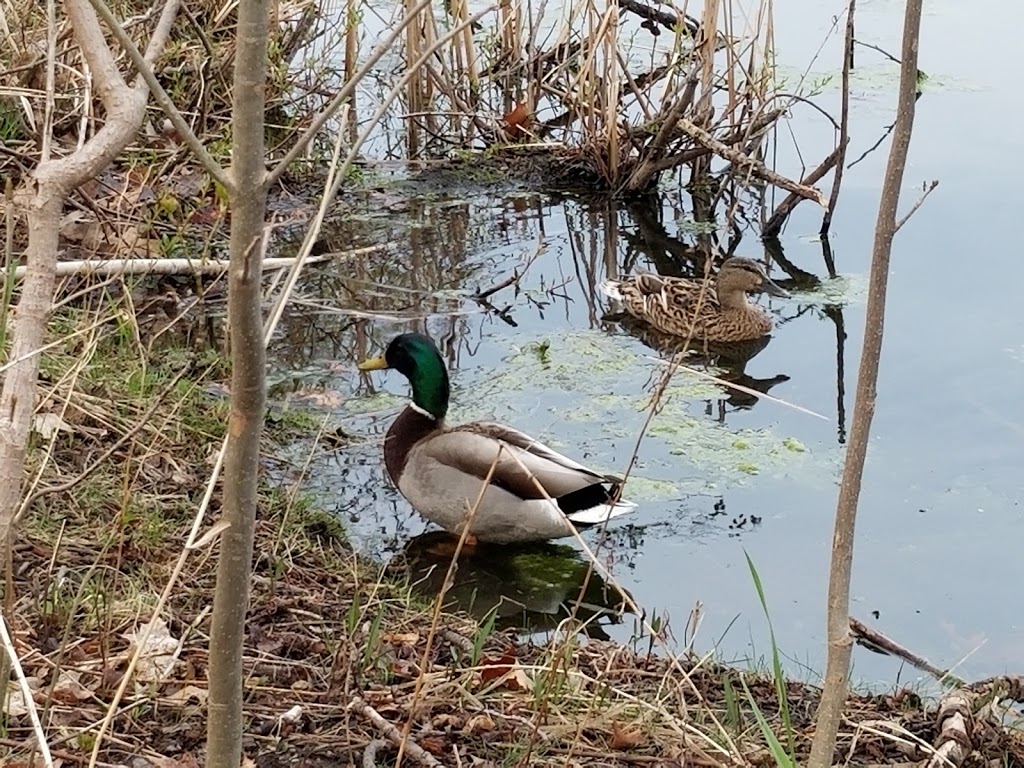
880,50
405,742
390,730
890,646
668,19
370,753
510,280
778,218
928,190
516,275
759,169
844,121
874,146
26,693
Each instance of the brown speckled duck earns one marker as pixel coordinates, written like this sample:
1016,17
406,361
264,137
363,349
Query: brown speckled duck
674,304
533,493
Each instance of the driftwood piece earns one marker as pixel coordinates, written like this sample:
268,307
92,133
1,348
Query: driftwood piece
958,716
669,19
370,752
745,161
393,734
774,224
649,168
107,267
862,631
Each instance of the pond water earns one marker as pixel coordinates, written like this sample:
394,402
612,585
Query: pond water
940,524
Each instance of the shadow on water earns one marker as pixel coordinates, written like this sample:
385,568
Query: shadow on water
524,587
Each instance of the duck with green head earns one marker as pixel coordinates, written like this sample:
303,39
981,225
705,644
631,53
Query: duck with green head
530,492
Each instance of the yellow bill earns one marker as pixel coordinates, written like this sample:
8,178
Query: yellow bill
373,364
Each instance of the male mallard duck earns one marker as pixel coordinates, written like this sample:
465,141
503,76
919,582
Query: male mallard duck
441,469
674,304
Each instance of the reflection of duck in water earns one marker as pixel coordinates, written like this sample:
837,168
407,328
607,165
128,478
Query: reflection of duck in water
530,491
674,305
730,357
529,587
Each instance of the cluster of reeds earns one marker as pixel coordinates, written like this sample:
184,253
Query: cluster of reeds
629,89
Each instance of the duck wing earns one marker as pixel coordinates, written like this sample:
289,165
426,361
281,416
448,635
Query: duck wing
522,464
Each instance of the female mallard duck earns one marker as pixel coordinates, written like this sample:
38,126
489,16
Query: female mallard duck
674,304
533,492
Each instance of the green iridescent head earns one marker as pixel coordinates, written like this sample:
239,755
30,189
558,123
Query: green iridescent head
416,357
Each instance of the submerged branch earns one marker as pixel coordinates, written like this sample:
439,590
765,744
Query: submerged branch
844,122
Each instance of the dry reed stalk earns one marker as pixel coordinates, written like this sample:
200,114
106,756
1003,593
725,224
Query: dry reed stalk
26,694
352,29
706,54
469,70
414,92
611,93
509,31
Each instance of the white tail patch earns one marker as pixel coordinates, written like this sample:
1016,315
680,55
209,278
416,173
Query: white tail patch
601,513
610,288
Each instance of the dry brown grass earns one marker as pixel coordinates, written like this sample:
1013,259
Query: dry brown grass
332,646
339,651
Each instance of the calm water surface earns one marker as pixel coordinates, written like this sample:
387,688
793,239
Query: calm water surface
940,525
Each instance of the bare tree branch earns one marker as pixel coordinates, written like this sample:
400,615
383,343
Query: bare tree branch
844,122
43,200
143,65
928,190
840,639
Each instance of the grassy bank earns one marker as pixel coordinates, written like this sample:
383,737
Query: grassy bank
345,657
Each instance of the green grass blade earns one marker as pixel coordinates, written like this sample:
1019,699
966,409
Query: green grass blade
779,677
782,759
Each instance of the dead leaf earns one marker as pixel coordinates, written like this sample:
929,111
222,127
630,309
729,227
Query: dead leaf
187,694
49,424
441,722
507,671
69,688
517,120
624,737
157,659
400,638
136,244
79,226
481,723
16,705
435,744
